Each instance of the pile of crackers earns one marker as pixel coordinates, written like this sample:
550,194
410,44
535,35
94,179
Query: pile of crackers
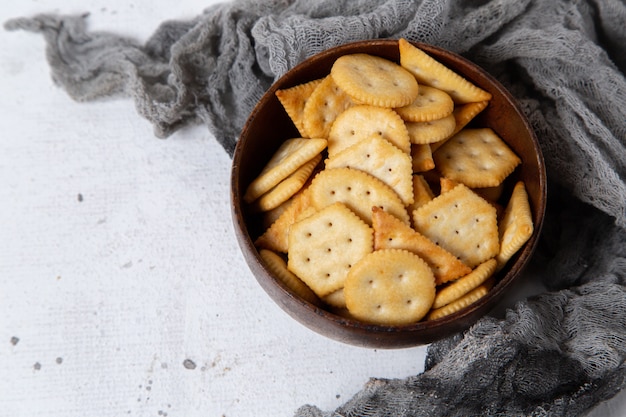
388,209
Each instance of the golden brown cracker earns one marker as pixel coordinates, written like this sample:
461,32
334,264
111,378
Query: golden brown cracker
364,121
461,222
431,72
390,287
459,304
356,189
477,158
276,237
291,155
516,225
293,100
322,108
459,288
324,247
285,189
430,104
381,159
391,233
431,131
422,158
278,268
374,80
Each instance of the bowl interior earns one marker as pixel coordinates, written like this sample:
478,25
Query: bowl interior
268,126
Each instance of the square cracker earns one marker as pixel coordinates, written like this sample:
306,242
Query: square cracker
391,233
324,246
476,157
463,223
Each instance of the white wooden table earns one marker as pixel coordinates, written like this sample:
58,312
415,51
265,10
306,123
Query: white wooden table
122,289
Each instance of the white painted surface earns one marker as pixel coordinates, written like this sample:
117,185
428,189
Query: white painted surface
103,300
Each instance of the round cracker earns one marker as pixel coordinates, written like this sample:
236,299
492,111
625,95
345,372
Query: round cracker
358,190
364,121
430,104
390,287
374,80
431,131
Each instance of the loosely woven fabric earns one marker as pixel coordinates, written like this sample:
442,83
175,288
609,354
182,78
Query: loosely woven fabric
556,354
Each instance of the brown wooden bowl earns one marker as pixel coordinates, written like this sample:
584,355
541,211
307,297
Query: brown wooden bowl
268,126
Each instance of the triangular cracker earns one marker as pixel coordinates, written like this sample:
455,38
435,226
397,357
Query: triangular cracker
516,225
429,71
380,158
391,233
293,101
461,222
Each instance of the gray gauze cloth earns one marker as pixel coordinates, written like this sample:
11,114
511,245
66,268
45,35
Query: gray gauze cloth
558,353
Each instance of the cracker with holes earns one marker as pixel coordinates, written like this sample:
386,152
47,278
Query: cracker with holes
322,108
465,284
431,131
381,159
364,121
391,233
291,155
465,301
430,104
390,287
462,223
374,80
356,189
278,267
286,189
516,225
477,158
293,101
429,71
325,246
